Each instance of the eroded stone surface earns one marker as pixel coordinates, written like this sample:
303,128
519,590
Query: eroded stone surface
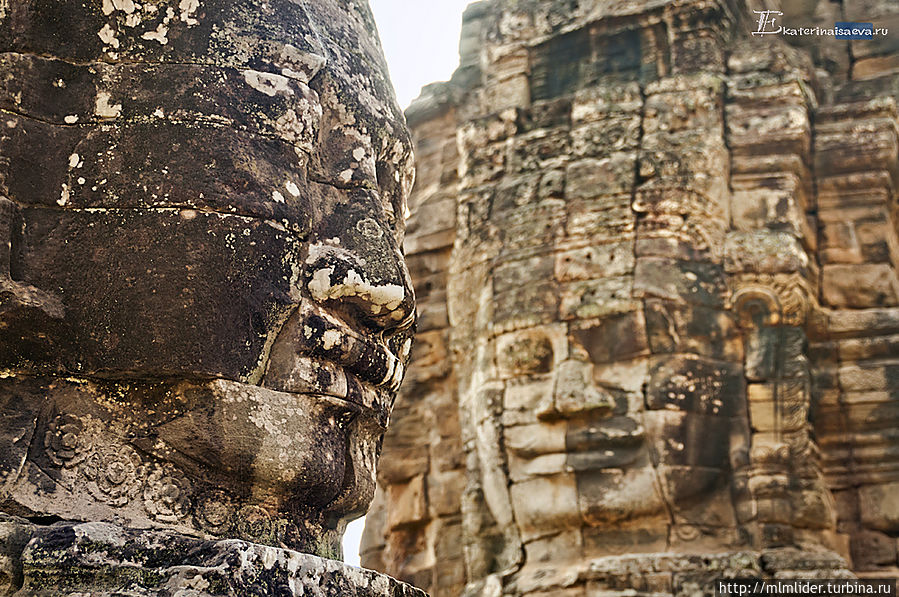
103,559
204,308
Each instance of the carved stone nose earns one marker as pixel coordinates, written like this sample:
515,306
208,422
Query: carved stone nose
359,270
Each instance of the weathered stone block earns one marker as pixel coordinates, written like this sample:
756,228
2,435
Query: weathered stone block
772,409
775,351
684,111
673,327
597,298
602,219
695,384
104,559
871,549
609,497
615,338
539,150
766,252
603,137
533,396
861,377
589,178
596,261
649,535
757,129
860,286
545,505
879,506
689,440
601,102
684,282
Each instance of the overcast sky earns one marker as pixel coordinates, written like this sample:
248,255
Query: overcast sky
421,42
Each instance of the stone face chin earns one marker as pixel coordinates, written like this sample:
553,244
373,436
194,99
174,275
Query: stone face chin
204,309
656,258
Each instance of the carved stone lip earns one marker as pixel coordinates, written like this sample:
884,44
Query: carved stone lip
336,385
321,355
323,335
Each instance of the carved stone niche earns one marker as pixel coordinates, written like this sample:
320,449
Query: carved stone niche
204,308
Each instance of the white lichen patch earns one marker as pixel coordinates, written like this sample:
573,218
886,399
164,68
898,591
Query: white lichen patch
300,65
346,175
64,196
268,83
158,113
188,8
358,154
278,197
107,36
157,35
73,160
70,119
294,129
104,109
126,6
330,339
292,188
320,284
379,297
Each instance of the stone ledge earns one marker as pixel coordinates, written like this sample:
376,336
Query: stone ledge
105,560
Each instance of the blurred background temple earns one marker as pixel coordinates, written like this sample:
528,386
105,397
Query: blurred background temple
655,257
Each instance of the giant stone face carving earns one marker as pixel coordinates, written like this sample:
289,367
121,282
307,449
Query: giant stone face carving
204,310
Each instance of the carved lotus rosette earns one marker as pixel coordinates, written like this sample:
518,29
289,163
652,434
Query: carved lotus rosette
115,474
68,440
218,513
257,525
167,494
214,513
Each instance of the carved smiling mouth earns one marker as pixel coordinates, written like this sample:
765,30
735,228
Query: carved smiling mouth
317,354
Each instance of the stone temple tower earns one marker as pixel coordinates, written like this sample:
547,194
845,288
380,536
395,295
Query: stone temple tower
654,245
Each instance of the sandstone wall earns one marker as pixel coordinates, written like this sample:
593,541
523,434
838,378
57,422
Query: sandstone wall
656,260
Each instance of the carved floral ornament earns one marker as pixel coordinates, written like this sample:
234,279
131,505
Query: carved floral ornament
167,494
764,299
68,440
118,475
